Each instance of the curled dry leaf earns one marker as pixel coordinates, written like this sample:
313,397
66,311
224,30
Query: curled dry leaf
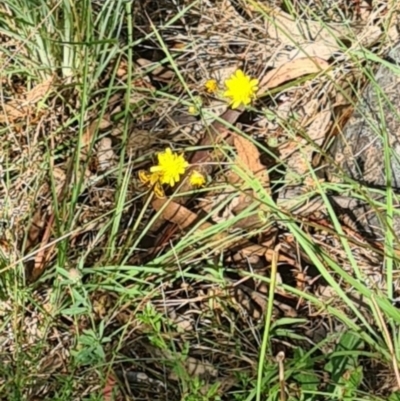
292,70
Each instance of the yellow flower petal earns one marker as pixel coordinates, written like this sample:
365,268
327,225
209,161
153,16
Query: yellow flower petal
149,178
165,157
239,74
241,89
193,110
155,169
211,86
158,190
154,178
170,167
254,83
144,177
196,179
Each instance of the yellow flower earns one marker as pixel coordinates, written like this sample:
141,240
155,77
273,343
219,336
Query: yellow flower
158,190
241,89
193,110
211,86
170,167
196,107
152,180
148,178
196,179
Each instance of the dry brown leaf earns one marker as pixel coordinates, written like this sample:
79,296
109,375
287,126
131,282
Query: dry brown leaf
175,213
59,179
315,49
319,126
110,388
39,91
12,111
38,221
182,217
249,252
249,157
290,71
309,110
256,250
45,252
282,257
279,24
299,151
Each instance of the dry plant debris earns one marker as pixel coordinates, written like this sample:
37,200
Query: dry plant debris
146,203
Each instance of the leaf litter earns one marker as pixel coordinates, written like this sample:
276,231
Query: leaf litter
226,313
